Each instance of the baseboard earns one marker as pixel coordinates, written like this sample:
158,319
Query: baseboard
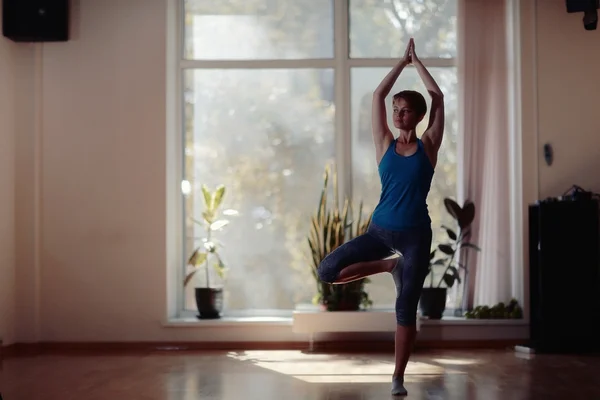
349,346
7,351
24,349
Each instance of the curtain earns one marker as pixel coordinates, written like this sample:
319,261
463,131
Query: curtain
483,76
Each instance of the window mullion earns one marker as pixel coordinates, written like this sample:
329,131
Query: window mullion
343,126
178,142
429,62
258,64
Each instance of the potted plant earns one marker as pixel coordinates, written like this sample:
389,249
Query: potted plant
331,227
433,298
209,299
512,310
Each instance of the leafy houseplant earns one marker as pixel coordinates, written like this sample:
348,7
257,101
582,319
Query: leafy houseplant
209,299
512,310
331,227
433,298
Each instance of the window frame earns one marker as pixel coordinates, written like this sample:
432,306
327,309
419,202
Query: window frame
342,65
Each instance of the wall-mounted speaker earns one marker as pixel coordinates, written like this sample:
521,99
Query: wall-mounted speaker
575,6
589,8
35,20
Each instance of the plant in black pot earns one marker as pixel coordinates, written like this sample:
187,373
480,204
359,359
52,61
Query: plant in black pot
332,226
433,298
209,298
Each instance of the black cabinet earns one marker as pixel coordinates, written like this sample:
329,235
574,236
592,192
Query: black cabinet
564,276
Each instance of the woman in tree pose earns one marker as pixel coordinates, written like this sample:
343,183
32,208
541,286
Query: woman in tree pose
401,223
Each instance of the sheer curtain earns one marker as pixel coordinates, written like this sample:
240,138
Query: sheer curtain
483,64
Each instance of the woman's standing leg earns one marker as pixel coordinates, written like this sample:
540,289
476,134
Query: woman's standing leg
415,247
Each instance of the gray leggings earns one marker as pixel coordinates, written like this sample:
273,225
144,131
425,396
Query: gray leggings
379,243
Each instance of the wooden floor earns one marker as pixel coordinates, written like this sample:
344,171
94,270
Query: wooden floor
265,375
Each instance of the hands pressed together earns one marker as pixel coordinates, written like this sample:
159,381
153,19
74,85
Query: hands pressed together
410,57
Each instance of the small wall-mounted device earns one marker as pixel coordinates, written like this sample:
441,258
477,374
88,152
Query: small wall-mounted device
589,8
548,153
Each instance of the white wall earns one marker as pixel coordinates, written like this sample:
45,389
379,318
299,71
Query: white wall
91,163
28,198
103,226
7,190
559,61
99,109
560,102
569,105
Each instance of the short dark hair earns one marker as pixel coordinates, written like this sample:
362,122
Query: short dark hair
415,99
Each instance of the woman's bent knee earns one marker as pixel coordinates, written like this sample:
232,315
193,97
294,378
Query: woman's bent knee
328,270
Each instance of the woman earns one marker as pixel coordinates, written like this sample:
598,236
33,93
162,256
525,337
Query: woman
401,222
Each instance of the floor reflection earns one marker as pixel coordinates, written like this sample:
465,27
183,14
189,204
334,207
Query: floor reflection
264,375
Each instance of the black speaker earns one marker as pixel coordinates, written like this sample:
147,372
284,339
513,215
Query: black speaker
35,20
564,276
574,6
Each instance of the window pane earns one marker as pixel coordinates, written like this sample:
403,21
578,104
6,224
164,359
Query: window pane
366,185
266,135
382,28
258,29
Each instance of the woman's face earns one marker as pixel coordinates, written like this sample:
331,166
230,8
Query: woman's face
404,116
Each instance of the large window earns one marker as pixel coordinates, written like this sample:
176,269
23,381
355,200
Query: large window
273,90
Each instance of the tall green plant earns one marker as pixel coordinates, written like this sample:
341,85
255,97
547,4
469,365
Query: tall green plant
464,217
332,226
208,251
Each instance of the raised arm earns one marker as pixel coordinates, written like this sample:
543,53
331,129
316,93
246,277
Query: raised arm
382,135
434,133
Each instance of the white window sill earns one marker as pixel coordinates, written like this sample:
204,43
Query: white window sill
242,321
470,322
261,320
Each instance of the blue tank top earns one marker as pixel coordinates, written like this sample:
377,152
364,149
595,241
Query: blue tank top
405,184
